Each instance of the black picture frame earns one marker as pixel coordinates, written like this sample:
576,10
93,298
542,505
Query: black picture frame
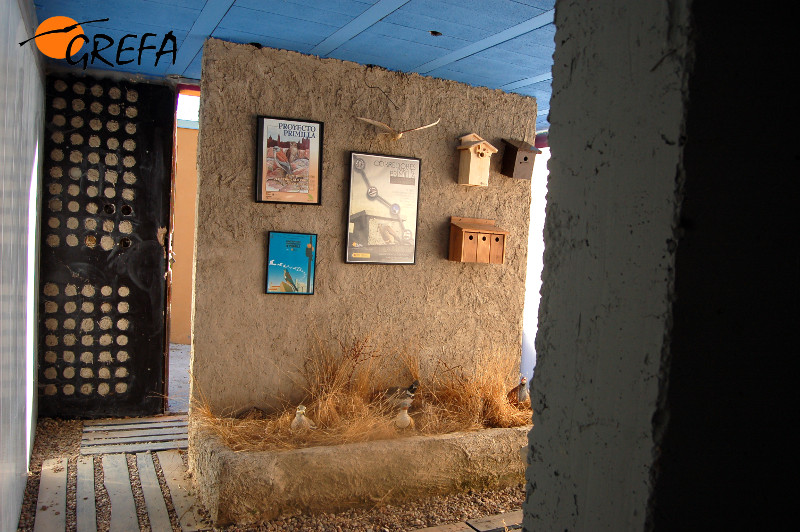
291,263
289,161
383,209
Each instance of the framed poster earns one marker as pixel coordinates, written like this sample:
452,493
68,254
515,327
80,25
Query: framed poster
289,166
382,214
291,263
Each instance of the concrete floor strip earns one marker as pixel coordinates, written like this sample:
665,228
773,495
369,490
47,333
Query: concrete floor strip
154,499
51,507
85,511
182,491
118,484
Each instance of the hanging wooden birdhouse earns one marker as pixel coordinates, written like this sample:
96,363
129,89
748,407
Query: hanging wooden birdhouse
477,240
518,159
473,165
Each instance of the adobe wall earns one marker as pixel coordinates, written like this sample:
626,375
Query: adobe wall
248,344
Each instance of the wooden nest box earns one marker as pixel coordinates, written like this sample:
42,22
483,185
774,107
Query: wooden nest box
473,164
518,159
477,240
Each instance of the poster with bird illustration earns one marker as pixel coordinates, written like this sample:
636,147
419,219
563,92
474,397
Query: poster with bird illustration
289,166
382,213
291,263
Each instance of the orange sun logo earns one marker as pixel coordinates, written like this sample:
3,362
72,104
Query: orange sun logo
54,35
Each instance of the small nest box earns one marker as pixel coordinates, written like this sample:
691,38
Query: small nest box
477,240
518,159
473,164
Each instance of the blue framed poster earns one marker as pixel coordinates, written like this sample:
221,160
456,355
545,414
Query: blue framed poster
291,263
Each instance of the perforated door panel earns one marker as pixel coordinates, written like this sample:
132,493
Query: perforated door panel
105,213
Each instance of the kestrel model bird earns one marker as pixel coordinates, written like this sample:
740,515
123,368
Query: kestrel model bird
390,132
289,279
300,421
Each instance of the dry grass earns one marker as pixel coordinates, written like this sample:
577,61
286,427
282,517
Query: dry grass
344,392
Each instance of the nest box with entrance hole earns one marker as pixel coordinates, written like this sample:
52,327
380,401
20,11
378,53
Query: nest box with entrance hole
473,164
518,159
477,240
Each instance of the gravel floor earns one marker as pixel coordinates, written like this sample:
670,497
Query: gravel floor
58,438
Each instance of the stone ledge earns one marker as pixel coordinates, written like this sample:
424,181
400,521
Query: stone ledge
248,487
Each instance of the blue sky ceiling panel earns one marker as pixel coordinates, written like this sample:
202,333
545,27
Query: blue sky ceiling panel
194,68
394,34
430,21
445,42
544,5
123,15
344,7
397,54
489,17
525,64
278,10
538,44
256,23
498,73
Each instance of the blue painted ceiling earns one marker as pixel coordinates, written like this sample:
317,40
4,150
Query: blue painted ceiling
500,44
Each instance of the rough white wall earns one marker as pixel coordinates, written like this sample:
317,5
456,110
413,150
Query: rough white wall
21,122
616,126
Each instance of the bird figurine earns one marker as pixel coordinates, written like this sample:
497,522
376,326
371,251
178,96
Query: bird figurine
402,420
388,131
396,394
300,421
519,393
289,279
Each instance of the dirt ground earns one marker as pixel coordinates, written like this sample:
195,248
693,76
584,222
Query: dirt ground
61,438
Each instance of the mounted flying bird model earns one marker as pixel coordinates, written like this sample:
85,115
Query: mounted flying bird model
390,132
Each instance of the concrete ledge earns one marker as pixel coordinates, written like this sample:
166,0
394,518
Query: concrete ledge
239,487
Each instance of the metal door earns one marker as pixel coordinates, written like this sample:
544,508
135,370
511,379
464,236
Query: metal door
105,215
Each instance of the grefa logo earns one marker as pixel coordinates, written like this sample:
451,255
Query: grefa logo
63,38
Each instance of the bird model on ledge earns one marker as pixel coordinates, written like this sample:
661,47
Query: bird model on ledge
389,132
300,421
396,394
403,420
518,395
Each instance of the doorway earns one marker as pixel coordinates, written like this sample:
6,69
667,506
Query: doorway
184,194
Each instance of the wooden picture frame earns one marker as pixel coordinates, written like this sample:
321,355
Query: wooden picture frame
383,209
289,164
291,263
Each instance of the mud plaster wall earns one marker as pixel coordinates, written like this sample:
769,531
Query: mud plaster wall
247,344
617,115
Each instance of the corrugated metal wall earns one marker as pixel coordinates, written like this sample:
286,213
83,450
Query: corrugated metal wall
21,132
